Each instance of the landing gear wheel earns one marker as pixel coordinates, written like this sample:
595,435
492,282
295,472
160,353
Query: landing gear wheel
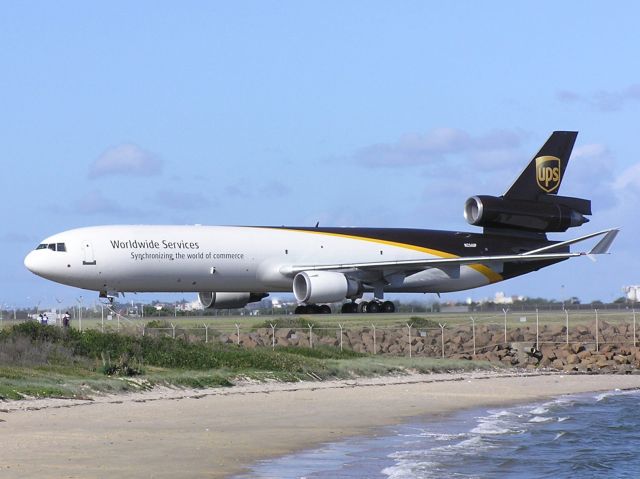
349,308
363,306
325,309
302,309
373,307
388,307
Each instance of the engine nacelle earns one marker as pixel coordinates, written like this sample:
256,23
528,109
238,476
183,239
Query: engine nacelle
213,300
323,287
548,215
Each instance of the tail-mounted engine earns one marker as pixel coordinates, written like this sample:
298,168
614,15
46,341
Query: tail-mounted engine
549,213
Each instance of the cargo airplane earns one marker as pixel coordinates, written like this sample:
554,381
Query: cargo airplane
231,266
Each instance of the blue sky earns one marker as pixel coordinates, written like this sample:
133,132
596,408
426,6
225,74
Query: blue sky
349,113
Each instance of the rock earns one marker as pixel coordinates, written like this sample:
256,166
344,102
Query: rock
604,363
606,348
548,352
582,330
572,359
620,359
576,347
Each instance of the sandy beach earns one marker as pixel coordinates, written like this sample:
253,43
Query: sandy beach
219,432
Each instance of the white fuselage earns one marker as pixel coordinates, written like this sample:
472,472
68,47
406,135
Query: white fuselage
223,259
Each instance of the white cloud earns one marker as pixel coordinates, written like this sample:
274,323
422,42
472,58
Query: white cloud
181,200
590,174
125,160
95,202
435,146
594,150
269,189
603,100
628,182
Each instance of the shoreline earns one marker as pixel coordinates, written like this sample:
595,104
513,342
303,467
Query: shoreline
220,432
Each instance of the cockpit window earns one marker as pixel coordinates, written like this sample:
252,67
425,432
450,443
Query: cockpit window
53,246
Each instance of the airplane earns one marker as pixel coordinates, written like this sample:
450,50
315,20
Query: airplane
231,266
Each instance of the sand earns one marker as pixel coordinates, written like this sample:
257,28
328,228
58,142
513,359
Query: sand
219,432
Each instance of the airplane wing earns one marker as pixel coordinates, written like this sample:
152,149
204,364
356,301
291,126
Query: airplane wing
541,254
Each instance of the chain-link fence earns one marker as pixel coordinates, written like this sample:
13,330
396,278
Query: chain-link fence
426,337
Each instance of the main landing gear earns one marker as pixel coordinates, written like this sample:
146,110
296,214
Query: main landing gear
313,309
374,306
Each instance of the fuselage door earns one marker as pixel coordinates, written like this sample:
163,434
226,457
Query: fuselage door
89,258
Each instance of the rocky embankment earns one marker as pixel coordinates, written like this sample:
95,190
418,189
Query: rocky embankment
610,350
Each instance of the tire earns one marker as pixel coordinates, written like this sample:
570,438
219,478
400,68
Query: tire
346,308
325,309
362,307
373,307
315,309
388,307
302,309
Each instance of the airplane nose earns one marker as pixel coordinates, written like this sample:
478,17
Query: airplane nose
30,262
35,263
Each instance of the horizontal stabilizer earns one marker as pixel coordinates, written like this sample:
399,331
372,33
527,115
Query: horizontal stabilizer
605,243
611,234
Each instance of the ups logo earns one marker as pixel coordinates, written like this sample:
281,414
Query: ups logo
548,173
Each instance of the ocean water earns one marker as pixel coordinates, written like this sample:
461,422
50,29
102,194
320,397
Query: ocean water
586,436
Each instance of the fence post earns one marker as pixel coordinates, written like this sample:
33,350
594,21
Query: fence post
206,332
173,331
442,337
310,335
374,338
143,328
273,336
409,328
597,344
237,334
634,327
505,324
537,330
102,320
340,326
473,333
566,324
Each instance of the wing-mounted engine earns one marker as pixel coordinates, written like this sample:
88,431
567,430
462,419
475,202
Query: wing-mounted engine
323,287
549,213
214,300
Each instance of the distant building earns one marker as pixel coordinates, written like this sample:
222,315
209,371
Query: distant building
500,298
632,292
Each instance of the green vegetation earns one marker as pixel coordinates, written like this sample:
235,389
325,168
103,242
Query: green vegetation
47,361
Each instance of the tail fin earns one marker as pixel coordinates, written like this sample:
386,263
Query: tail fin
544,173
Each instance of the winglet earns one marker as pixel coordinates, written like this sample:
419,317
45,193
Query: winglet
605,243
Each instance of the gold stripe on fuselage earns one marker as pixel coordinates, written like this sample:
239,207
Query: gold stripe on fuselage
491,275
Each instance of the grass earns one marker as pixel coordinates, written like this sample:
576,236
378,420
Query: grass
47,361
194,325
